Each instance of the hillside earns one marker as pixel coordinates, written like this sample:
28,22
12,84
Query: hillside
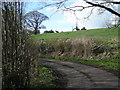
92,45
104,33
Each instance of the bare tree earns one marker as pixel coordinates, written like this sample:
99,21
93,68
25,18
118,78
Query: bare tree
112,22
13,46
76,28
104,5
34,19
17,50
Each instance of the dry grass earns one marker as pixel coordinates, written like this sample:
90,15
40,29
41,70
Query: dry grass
79,47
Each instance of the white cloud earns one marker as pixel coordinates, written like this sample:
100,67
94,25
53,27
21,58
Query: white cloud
71,18
94,21
50,8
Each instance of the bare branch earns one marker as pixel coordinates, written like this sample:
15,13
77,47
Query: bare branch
90,13
102,6
114,2
105,5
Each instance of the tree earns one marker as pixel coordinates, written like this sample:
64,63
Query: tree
112,22
83,28
18,56
50,31
107,5
15,55
76,28
57,31
33,20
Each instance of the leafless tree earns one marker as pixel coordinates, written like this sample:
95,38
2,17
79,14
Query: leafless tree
17,51
34,19
112,22
76,28
104,5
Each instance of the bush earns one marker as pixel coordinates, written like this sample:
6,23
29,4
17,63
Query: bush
79,47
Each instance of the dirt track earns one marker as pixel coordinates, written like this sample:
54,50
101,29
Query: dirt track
77,75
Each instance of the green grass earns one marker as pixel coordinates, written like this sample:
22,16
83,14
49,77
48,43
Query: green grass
107,63
43,79
104,33
104,36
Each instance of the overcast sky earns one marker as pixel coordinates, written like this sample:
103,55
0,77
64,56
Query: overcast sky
65,21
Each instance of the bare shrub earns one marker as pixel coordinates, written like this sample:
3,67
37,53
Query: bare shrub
81,47
18,53
67,47
87,48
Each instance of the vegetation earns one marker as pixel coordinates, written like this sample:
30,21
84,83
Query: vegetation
89,44
105,33
19,65
18,55
50,31
43,78
40,76
33,20
93,47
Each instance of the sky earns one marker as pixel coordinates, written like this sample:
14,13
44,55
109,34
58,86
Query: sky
66,21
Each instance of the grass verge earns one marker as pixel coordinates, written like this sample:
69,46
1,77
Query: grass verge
107,63
43,79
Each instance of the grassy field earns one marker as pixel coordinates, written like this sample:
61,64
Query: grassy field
105,33
57,46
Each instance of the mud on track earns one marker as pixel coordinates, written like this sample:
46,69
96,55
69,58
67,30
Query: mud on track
76,75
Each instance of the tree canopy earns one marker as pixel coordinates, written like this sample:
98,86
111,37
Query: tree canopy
34,19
